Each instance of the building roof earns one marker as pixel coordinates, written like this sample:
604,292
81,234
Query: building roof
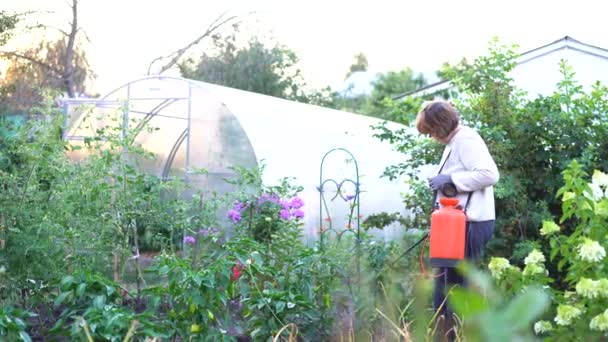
565,43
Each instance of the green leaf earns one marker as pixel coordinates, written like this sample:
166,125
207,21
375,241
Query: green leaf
525,307
62,296
561,264
57,325
99,302
20,323
110,290
601,209
257,257
25,337
279,306
256,332
80,290
467,303
66,281
164,270
493,329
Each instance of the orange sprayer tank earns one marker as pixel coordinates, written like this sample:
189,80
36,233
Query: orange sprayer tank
448,234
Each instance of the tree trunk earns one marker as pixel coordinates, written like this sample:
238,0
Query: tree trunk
68,62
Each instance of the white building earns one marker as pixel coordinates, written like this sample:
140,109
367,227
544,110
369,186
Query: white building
537,71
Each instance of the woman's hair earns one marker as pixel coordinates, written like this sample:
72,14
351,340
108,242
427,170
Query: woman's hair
437,118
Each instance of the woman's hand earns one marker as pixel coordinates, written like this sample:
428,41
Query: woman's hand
437,182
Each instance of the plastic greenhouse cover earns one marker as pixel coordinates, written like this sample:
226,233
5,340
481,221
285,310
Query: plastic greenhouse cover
234,127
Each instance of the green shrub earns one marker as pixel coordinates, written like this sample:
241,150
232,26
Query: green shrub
577,246
532,141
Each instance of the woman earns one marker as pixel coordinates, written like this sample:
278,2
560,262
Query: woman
467,165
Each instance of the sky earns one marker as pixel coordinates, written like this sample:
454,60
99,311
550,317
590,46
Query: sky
126,35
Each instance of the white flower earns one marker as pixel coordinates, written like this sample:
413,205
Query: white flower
566,313
533,269
591,251
549,227
596,192
599,178
534,257
599,322
588,288
248,261
542,327
602,287
497,266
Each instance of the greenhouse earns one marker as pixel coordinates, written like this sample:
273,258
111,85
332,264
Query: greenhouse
198,125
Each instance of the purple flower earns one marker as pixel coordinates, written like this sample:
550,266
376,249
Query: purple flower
204,232
234,215
285,204
239,206
298,213
296,203
267,197
350,197
284,214
189,240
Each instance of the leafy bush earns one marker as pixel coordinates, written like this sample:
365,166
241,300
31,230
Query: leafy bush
95,307
579,284
12,324
532,141
57,215
488,315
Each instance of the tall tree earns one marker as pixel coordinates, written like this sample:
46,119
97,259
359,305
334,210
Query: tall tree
360,64
8,22
174,58
385,87
64,64
256,67
391,84
38,68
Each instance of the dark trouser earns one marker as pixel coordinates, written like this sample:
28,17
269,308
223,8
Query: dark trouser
477,236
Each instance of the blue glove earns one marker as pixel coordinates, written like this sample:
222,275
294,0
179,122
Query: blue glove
437,182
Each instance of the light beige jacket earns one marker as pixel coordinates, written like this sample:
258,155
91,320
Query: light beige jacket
473,170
